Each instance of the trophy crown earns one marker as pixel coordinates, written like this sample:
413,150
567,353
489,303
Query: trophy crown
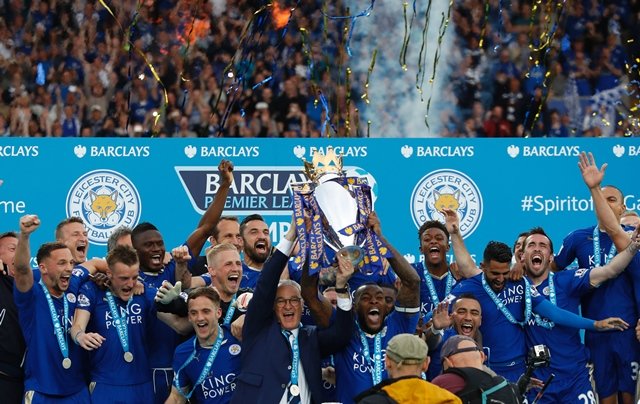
321,164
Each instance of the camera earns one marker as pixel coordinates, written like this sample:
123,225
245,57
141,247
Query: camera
537,357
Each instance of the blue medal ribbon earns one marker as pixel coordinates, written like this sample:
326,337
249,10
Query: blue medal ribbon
432,289
596,249
207,366
60,330
230,310
120,321
552,297
295,360
503,308
376,375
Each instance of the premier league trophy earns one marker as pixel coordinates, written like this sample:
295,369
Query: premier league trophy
331,212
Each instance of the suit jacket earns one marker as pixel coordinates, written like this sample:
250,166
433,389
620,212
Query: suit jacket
265,369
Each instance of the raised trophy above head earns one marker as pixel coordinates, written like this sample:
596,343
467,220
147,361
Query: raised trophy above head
331,212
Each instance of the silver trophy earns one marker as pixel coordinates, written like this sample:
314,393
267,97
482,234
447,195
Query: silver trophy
331,212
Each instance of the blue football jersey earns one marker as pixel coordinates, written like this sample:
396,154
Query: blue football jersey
219,383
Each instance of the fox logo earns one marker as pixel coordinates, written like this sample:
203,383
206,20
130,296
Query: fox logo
104,205
446,200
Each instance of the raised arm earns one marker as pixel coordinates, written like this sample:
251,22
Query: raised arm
466,267
182,257
615,267
210,218
409,293
320,308
23,276
607,220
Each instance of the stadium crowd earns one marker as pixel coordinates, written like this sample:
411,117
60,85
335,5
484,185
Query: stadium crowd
76,68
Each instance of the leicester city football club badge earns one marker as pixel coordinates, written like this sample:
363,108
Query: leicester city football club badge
545,291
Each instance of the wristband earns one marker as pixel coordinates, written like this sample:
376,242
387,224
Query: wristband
436,332
343,290
75,338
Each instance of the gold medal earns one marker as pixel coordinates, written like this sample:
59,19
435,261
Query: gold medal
66,363
128,357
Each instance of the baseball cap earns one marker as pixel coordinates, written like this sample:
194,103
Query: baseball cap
407,349
450,346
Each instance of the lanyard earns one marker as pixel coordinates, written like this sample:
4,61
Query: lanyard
596,248
207,366
501,306
295,360
230,310
120,321
432,289
60,330
377,354
552,297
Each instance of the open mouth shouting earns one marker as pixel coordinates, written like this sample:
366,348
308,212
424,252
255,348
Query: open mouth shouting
374,316
64,281
234,281
81,251
536,261
434,253
156,259
261,247
466,328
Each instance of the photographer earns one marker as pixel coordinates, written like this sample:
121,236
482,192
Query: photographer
466,376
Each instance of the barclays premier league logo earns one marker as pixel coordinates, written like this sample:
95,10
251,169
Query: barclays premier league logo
105,200
447,189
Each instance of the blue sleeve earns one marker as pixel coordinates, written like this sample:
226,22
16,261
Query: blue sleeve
567,253
206,278
86,297
563,317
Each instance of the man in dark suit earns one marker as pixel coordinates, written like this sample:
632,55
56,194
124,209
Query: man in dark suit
281,360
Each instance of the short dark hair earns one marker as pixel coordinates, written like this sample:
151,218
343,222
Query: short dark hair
431,224
122,253
360,290
614,187
523,234
141,228
248,219
465,295
46,249
121,231
205,291
497,251
8,234
540,230
72,219
215,232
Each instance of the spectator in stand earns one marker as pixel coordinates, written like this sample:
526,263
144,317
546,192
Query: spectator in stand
496,125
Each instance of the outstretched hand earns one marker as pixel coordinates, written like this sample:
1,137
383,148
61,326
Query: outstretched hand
591,175
611,323
168,292
452,222
634,246
441,317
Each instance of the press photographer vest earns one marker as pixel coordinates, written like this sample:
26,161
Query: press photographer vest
481,387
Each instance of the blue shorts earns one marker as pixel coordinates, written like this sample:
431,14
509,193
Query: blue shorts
573,389
34,397
102,393
162,381
615,357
